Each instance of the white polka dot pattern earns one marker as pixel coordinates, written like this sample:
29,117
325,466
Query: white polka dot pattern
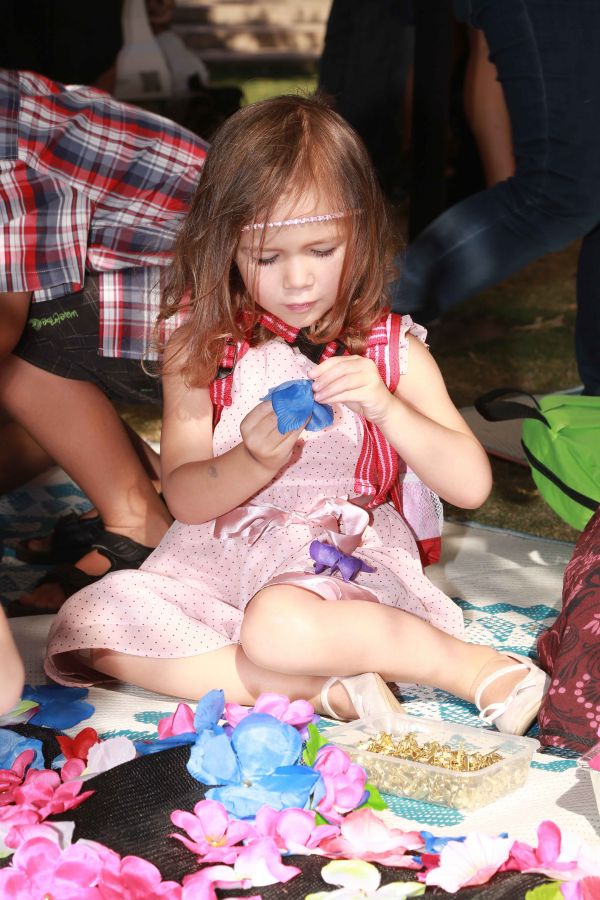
189,596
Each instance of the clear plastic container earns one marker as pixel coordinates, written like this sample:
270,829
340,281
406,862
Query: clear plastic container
584,763
421,781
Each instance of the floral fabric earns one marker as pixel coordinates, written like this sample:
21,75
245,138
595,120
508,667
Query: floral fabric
570,652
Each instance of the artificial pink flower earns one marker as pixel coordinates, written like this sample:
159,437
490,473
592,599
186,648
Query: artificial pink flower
72,769
586,889
363,835
59,832
43,791
524,858
9,778
293,830
594,762
134,878
214,836
472,861
39,868
344,783
181,722
13,818
564,857
260,863
82,871
297,712
201,885
79,746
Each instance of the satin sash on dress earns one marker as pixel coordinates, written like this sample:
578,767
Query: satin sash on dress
343,521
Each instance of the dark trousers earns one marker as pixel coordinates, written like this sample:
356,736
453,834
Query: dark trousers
547,53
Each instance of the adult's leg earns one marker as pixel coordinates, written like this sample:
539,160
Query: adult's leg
81,430
292,641
548,59
486,112
20,457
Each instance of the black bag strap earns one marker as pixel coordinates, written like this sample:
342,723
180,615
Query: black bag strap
494,408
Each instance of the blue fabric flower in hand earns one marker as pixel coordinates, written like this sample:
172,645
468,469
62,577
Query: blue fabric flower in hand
294,405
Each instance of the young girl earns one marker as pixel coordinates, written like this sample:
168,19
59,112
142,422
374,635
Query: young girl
287,243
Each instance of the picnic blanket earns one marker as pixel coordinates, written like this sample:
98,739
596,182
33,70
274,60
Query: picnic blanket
509,588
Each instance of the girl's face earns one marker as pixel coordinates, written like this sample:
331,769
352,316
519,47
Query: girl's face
296,273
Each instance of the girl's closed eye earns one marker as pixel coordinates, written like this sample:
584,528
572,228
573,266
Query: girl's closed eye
320,254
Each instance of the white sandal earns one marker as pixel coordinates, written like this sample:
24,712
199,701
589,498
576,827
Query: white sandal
518,711
369,695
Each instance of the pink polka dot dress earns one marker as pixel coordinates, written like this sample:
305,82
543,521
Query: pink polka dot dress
189,596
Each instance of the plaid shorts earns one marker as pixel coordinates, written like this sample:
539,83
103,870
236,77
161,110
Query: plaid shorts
61,336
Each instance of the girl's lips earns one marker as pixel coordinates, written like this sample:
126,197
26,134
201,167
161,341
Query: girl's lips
300,307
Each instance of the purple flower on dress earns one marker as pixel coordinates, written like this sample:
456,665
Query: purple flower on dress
326,556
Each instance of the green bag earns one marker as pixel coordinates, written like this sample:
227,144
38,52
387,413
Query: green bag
561,439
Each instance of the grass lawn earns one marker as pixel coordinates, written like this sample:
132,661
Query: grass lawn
517,334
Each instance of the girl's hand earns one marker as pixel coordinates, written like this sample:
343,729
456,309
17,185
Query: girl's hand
263,441
354,381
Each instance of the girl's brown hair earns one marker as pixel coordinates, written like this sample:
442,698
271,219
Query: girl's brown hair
265,151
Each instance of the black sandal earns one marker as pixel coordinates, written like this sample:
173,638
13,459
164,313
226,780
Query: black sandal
71,539
121,552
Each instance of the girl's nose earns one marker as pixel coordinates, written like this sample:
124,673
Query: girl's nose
297,274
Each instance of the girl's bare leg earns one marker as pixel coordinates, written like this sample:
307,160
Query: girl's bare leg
191,677
292,641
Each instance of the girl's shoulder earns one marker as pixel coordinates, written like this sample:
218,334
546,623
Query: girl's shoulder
388,345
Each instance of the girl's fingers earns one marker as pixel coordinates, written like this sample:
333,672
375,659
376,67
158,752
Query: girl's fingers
340,386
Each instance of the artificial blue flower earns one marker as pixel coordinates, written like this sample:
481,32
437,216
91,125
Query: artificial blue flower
257,766
209,712
435,844
12,744
145,748
294,405
60,707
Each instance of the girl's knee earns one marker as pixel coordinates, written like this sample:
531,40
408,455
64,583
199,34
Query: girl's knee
277,624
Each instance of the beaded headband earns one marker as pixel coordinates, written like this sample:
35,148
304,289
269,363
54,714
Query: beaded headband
303,220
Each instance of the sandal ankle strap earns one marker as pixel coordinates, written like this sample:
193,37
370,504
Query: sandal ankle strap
324,697
122,552
493,710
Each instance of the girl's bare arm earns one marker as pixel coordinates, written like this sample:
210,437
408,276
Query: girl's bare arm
419,420
199,486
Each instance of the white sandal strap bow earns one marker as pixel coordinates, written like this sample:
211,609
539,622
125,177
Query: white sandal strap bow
517,712
369,695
